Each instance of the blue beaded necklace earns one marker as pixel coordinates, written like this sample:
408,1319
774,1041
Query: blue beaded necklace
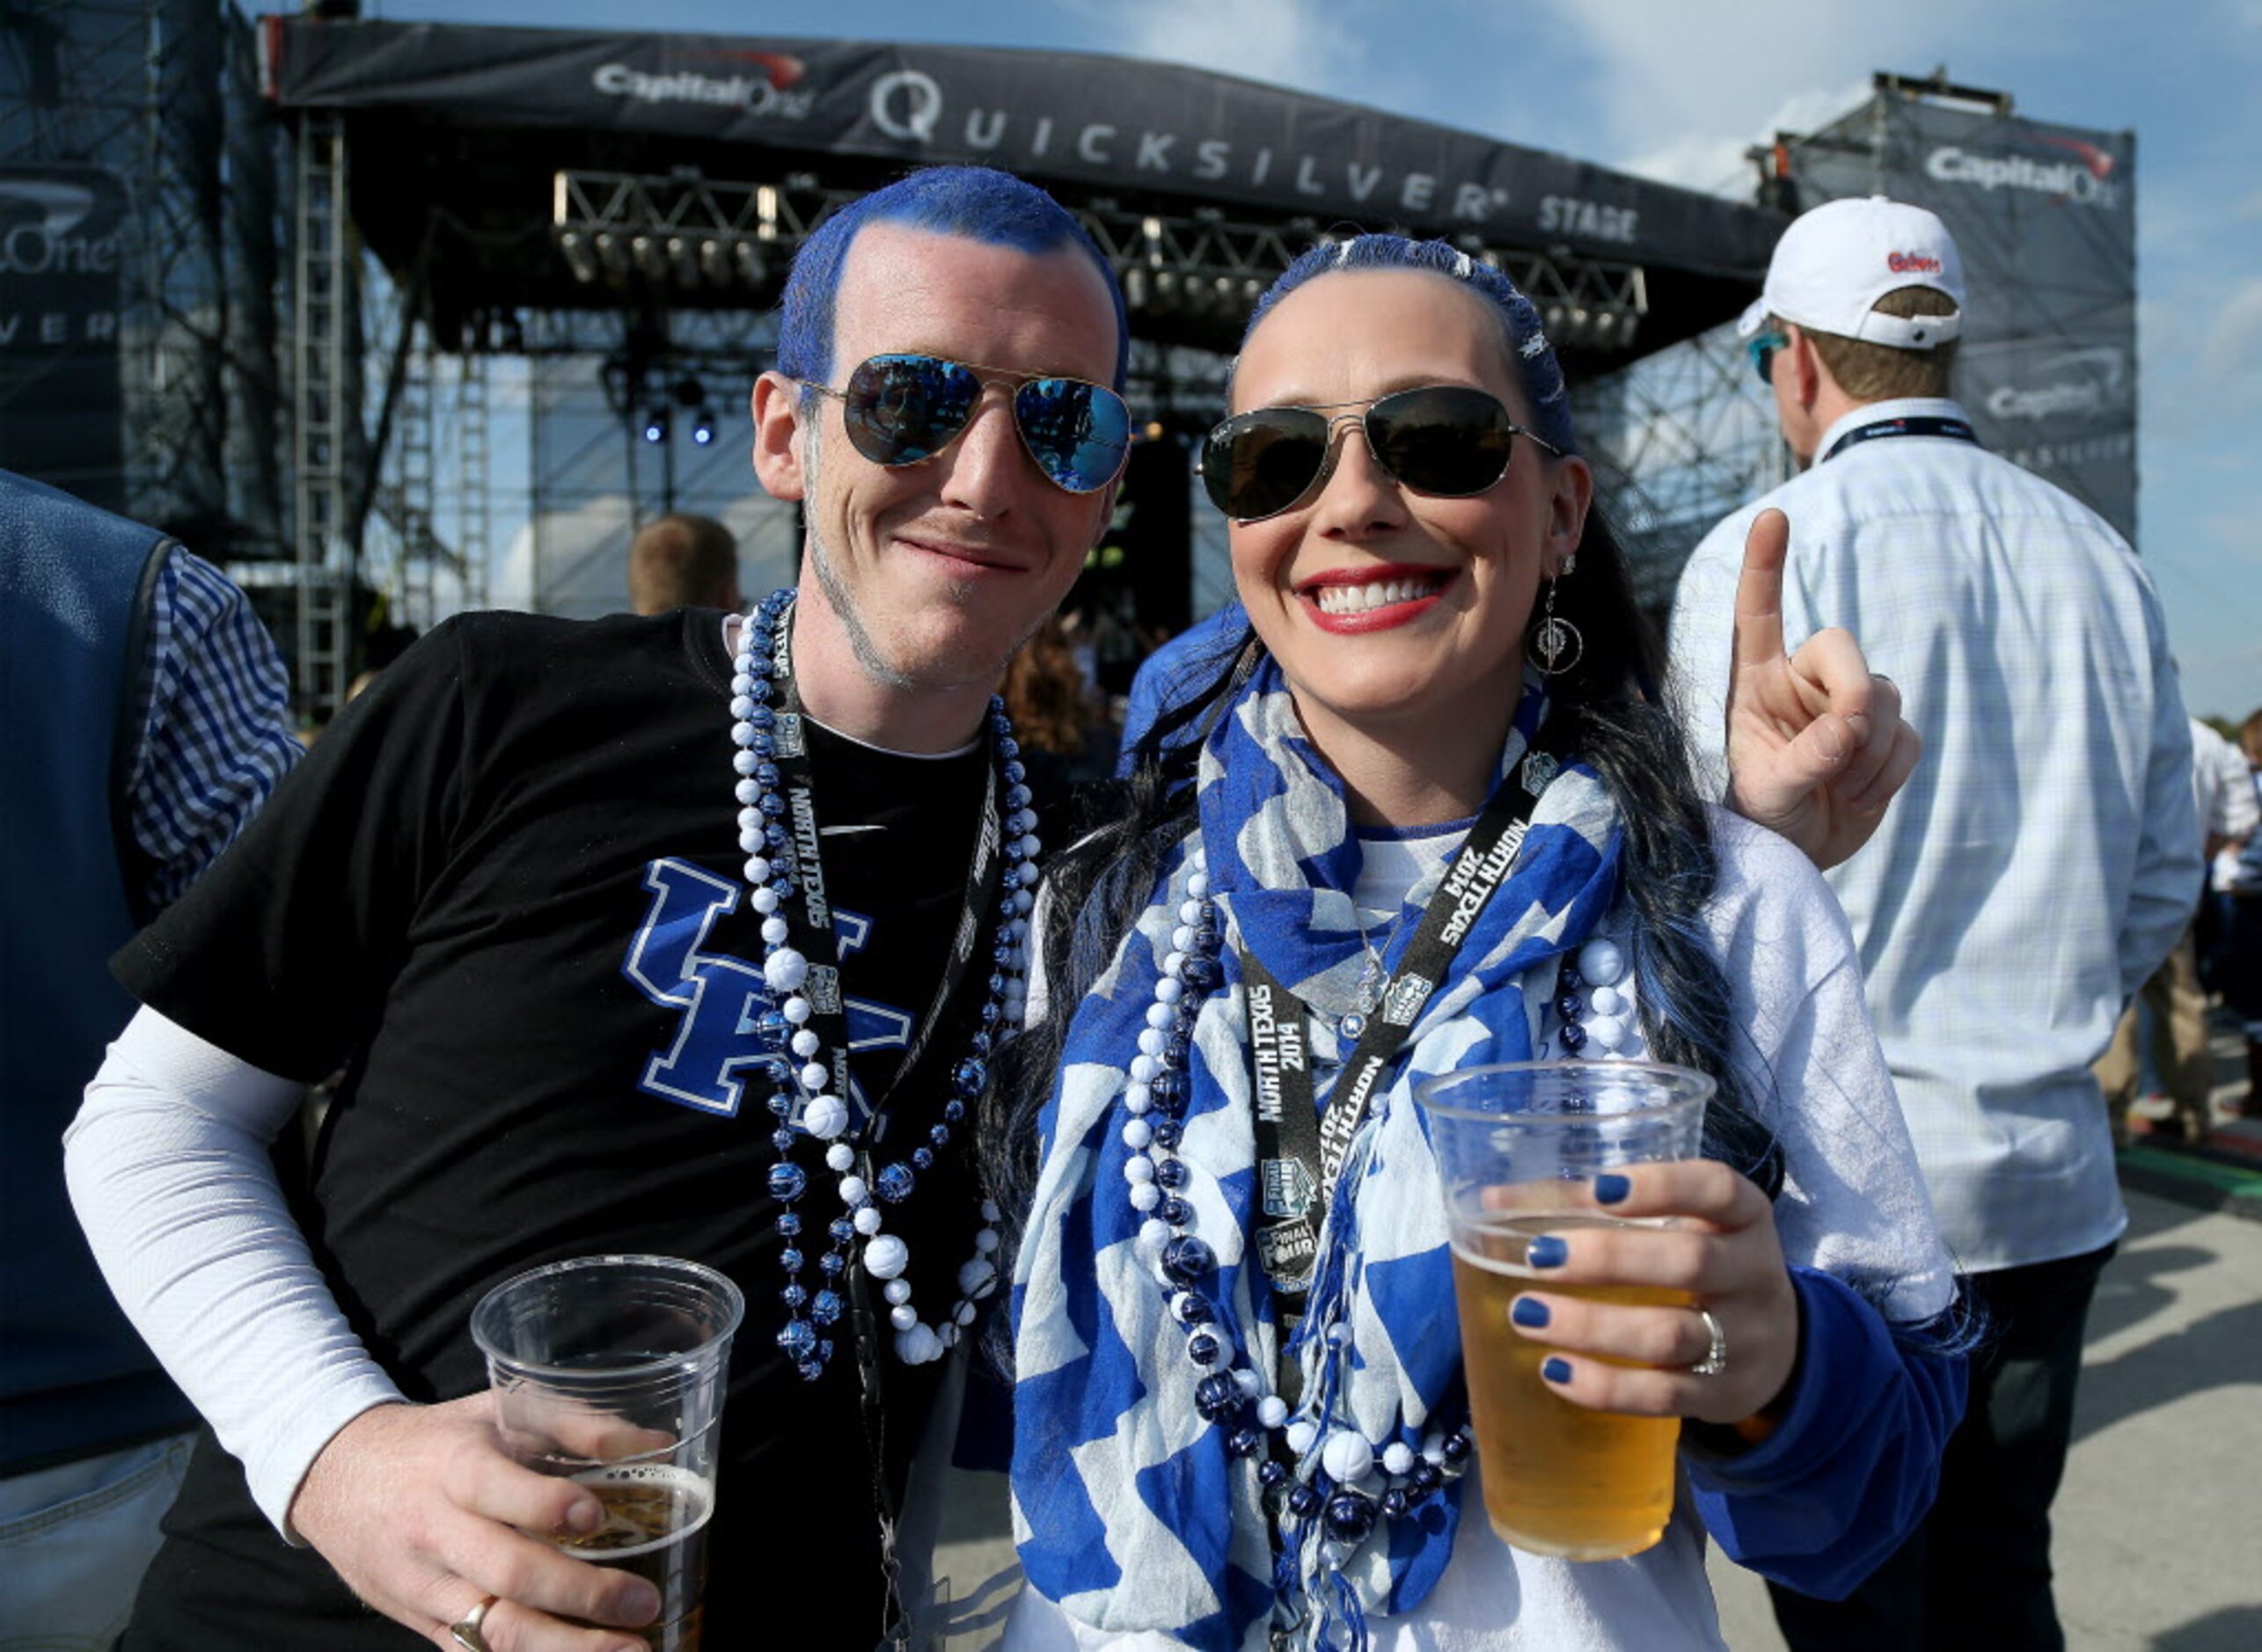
1343,1480
803,1082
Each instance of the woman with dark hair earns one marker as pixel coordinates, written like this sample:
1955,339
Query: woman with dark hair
1445,652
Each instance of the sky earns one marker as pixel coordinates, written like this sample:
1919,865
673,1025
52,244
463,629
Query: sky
1676,90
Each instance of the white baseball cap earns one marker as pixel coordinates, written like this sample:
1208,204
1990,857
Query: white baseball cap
1835,262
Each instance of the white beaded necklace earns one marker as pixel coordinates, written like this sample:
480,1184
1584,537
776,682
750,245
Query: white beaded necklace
799,1072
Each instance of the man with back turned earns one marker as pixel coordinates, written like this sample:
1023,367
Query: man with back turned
2037,869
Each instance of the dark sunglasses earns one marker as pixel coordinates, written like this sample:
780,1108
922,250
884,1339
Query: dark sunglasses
1447,441
903,409
1762,352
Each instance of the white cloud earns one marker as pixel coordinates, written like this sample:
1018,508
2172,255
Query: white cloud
1301,43
2233,353
1679,89
1714,161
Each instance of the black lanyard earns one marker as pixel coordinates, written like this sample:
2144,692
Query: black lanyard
1912,424
808,917
1299,1151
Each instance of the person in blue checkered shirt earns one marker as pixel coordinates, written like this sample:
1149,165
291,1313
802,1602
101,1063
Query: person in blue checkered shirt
142,724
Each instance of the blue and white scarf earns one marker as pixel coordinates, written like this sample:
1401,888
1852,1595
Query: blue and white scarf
1133,1513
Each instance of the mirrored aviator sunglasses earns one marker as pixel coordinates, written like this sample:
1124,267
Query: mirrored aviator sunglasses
906,408
1762,352
1445,441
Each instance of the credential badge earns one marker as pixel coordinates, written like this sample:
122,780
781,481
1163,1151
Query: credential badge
1288,1188
1408,994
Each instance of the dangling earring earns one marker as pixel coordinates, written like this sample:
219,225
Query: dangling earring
1556,638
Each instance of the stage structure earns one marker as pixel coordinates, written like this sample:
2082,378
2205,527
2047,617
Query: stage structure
573,239
2045,217
618,210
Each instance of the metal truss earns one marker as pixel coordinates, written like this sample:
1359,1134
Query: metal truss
686,234
323,414
123,84
1678,439
405,497
474,506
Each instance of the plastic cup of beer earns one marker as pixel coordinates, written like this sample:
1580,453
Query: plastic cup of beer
1518,1147
608,1371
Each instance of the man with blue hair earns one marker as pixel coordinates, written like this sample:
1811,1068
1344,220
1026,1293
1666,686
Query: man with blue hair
628,933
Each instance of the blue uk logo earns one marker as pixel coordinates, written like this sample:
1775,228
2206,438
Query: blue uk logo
719,1044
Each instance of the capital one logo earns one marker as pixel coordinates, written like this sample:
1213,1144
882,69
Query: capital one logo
2078,384
773,89
40,234
720,1000
2085,179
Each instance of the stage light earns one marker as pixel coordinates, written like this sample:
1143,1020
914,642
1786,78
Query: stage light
656,424
703,427
612,252
750,267
684,254
581,258
651,258
715,261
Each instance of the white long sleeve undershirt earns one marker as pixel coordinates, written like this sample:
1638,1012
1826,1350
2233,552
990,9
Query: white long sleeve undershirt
168,1169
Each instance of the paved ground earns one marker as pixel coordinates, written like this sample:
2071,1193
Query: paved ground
2159,1525
2159,1540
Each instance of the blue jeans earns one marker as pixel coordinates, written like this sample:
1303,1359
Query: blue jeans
75,1540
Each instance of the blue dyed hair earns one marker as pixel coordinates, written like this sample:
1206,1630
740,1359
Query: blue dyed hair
1519,319
978,202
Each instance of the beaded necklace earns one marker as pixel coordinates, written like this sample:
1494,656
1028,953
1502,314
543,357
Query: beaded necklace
1344,1479
803,1082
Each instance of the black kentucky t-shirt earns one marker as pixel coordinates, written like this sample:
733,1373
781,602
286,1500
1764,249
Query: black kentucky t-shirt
504,891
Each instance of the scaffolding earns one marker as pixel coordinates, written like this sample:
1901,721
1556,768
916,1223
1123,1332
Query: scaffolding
474,510
163,95
1679,440
323,413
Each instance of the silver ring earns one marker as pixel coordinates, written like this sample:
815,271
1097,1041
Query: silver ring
1716,1357
466,1631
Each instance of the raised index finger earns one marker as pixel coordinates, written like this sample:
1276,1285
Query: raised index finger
1759,592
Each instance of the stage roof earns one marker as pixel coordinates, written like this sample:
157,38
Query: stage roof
457,133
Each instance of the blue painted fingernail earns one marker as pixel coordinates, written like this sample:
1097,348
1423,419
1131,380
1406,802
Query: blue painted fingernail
1547,1251
1611,1188
1556,1370
1529,1313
